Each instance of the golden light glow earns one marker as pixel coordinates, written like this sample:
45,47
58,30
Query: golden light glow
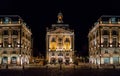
53,45
67,46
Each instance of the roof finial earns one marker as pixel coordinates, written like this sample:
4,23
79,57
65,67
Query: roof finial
60,17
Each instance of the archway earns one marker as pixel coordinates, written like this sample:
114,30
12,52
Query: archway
14,60
5,60
60,60
67,60
52,60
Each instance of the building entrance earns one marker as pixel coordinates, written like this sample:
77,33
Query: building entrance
60,60
4,60
14,60
53,61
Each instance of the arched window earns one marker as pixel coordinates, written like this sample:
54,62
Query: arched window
13,60
4,60
15,32
5,32
60,39
105,32
114,32
53,40
53,54
60,54
67,40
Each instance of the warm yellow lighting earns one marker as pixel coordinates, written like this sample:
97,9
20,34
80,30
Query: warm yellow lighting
0,40
53,46
60,17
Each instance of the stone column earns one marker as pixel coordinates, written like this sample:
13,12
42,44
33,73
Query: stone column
101,36
47,46
9,59
1,38
10,37
0,59
111,60
119,36
18,37
110,30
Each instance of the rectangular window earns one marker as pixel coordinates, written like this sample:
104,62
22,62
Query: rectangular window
114,42
14,42
5,42
105,43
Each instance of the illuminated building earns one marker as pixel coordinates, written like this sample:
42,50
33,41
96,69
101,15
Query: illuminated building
60,42
104,41
15,40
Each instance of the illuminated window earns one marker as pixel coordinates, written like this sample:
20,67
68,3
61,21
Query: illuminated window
114,20
5,60
106,60
13,60
116,60
6,20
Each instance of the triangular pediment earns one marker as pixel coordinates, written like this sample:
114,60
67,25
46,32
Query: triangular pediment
61,30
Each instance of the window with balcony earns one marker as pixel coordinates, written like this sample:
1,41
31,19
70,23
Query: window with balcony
105,32
114,42
67,40
114,32
105,43
5,32
14,42
5,42
15,32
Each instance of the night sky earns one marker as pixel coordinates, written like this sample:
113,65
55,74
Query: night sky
80,15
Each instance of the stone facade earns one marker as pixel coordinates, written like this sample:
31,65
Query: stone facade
104,41
15,40
60,43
